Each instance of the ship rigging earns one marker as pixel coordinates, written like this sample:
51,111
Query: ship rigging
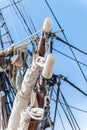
54,102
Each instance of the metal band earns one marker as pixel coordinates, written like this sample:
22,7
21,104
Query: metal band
42,89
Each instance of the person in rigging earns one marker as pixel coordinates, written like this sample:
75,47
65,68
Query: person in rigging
21,66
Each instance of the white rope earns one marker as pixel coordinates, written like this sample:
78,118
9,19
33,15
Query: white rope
36,113
40,61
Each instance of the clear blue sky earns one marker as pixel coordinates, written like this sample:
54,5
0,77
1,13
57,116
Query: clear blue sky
72,16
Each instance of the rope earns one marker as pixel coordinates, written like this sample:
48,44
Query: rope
10,5
53,14
13,25
23,40
28,16
21,23
61,120
74,107
69,57
66,41
22,17
70,113
67,117
57,98
67,104
36,113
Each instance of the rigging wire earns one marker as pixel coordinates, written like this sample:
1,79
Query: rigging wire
70,117
21,10
70,112
22,17
21,22
69,56
65,113
67,116
83,52
28,16
66,40
57,99
22,41
10,5
78,109
13,24
65,104
61,120
24,10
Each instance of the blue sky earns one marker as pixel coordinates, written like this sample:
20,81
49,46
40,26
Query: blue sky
72,16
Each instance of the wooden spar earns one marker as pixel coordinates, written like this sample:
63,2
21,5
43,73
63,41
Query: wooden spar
41,92
41,46
34,123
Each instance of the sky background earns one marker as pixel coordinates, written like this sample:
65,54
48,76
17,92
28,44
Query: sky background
72,16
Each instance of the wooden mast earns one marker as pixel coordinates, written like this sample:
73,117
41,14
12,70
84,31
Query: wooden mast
41,49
